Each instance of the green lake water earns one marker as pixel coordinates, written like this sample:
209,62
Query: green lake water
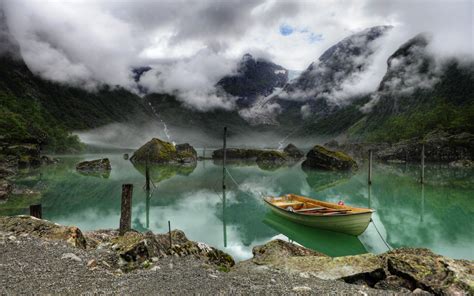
438,215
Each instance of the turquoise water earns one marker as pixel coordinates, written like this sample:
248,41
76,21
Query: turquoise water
437,215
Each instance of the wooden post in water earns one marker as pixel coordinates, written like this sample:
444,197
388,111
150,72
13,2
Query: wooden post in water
169,233
422,179
223,186
370,167
126,209
224,159
36,211
204,153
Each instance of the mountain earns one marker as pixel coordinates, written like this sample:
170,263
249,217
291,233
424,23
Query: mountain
339,64
416,96
253,78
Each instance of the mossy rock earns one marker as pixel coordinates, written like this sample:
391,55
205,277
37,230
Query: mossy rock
325,159
159,151
97,165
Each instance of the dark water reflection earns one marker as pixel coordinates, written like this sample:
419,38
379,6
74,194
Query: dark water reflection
438,215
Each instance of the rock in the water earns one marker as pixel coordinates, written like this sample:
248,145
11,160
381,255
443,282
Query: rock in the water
237,153
43,229
271,159
293,152
94,165
186,153
5,189
159,151
26,155
125,156
463,163
322,158
48,160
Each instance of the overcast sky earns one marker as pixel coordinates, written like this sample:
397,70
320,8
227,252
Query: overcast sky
193,43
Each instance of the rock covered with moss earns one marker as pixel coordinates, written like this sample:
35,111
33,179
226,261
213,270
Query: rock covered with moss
43,229
159,151
96,165
237,153
402,270
292,151
322,158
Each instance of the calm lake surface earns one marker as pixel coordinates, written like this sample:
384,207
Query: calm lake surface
438,215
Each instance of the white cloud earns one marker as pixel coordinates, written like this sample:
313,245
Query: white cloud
192,42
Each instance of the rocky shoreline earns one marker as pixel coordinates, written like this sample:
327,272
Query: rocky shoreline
42,257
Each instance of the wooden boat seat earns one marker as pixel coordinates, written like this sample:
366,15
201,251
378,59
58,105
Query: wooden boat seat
285,204
311,209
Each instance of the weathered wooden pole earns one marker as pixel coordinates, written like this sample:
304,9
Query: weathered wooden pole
126,209
36,211
169,233
223,186
422,202
370,168
224,155
422,179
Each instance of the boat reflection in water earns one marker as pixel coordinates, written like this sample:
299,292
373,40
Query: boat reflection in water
333,244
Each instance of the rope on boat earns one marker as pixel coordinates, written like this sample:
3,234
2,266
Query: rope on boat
389,248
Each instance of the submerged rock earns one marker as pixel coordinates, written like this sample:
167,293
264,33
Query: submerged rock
48,160
293,152
125,156
159,151
322,158
94,165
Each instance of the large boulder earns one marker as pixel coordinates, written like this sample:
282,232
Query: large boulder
321,158
159,151
293,152
94,165
25,155
44,229
431,272
271,159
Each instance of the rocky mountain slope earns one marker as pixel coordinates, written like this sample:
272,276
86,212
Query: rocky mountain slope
253,78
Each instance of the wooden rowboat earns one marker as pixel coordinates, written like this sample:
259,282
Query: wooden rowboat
320,214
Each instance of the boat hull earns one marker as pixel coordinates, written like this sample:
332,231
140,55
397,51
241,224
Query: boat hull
354,224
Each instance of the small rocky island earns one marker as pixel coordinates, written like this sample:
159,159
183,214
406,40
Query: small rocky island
320,157
159,151
145,263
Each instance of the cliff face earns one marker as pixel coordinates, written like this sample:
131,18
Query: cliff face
254,77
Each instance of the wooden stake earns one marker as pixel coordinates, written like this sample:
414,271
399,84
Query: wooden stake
126,209
370,167
224,158
36,211
423,163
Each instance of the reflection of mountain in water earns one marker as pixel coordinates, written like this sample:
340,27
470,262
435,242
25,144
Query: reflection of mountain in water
320,180
330,243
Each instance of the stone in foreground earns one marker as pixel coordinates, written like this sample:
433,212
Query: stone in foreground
159,151
325,159
94,165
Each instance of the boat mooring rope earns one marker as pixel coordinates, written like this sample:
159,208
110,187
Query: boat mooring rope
389,248
238,185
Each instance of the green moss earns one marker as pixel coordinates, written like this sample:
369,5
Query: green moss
337,154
